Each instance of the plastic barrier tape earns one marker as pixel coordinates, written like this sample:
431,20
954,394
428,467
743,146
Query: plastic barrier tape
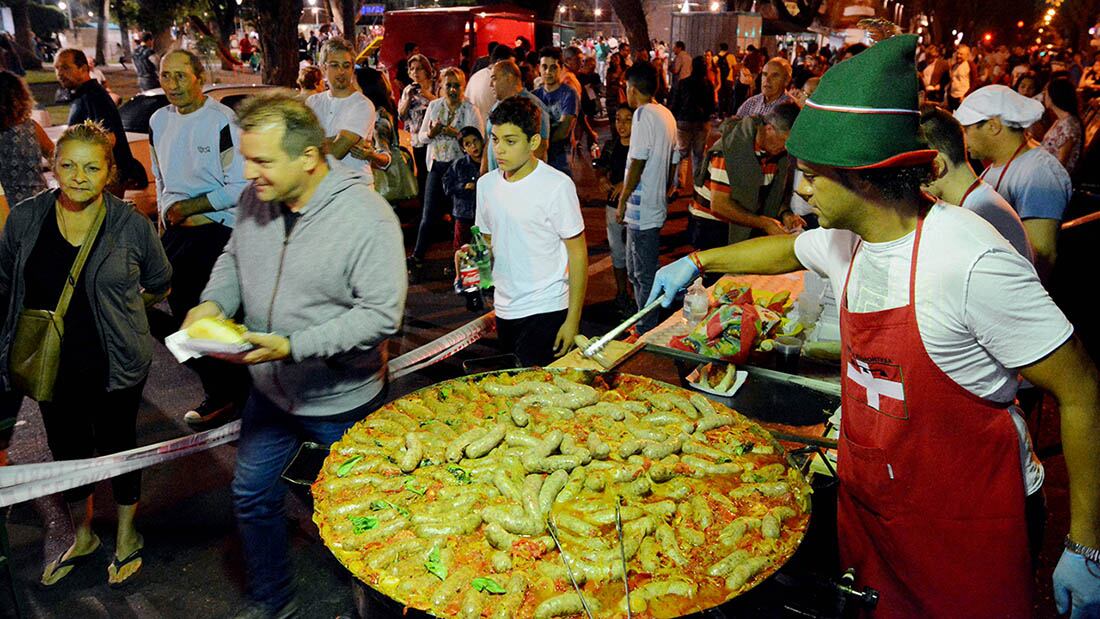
29,481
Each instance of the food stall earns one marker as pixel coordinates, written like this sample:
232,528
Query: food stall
576,493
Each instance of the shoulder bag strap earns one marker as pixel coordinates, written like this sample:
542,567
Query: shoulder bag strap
78,264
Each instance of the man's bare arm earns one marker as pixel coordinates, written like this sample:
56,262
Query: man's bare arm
766,255
1070,376
1043,235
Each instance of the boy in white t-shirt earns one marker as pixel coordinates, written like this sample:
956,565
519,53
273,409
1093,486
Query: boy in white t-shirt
643,202
530,215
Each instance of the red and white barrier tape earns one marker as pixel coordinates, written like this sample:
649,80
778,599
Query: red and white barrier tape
28,481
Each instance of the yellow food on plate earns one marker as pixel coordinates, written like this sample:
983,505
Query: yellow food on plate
217,330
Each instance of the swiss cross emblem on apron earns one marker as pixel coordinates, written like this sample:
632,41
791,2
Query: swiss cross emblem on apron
878,384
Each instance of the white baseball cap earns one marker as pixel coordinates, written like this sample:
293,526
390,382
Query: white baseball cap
996,101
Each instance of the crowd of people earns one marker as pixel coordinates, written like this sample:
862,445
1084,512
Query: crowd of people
282,216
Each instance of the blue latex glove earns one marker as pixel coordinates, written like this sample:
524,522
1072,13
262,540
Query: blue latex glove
671,279
1077,586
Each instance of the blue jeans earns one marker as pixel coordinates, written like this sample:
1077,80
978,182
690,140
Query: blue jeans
269,438
642,254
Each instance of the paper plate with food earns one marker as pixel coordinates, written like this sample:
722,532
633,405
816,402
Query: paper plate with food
721,379
216,335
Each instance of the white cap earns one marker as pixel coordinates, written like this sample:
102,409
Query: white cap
1014,109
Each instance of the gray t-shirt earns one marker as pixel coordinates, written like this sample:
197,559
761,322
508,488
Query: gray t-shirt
1035,184
986,202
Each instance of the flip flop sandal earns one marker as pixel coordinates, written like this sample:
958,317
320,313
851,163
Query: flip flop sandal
71,562
118,564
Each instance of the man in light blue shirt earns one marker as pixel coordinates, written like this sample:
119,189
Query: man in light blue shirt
199,175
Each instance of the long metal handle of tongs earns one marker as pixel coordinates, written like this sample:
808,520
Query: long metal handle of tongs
598,345
553,529
622,554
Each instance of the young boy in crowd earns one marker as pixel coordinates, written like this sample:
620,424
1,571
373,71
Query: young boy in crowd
643,202
460,181
530,215
612,163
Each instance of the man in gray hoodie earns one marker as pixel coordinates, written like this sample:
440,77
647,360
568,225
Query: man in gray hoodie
316,263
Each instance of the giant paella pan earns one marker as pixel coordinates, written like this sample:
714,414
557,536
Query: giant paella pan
529,493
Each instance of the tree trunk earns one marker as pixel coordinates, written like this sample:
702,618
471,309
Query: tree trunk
277,25
24,36
226,19
124,35
101,32
632,16
349,12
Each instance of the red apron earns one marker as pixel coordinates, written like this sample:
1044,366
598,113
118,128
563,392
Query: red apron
931,499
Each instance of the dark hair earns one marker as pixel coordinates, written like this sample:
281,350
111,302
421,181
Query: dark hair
723,47
890,183
301,129
500,52
16,102
643,75
146,36
782,116
855,48
469,130
309,77
1027,75
941,131
679,44
518,111
77,55
410,46
699,67
532,58
376,88
1063,95
550,52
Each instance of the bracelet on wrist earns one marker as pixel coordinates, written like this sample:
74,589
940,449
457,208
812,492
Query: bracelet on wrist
694,257
1092,554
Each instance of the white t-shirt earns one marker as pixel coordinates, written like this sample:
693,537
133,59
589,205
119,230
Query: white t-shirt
354,113
480,92
652,139
528,220
980,308
1035,184
960,80
997,211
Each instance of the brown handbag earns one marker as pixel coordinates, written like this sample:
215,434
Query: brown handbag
36,348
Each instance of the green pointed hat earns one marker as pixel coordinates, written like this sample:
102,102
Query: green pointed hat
864,113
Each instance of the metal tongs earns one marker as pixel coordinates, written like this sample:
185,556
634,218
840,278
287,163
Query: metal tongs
553,529
593,349
622,553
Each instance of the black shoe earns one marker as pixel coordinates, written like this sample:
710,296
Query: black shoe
210,411
415,267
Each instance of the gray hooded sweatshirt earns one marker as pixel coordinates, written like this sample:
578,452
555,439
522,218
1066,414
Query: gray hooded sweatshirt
335,285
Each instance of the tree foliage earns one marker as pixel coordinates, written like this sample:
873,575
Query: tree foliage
46,20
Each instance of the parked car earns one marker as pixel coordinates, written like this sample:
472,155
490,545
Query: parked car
136,113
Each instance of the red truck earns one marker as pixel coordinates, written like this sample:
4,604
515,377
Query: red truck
441,32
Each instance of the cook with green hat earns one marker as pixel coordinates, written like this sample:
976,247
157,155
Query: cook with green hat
939,317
